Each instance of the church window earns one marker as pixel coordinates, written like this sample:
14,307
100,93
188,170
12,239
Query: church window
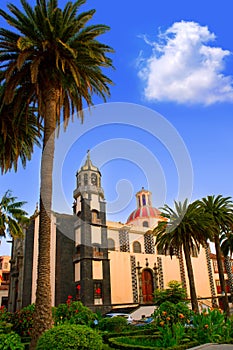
95,217
143,199
145,224
85,179
137,247
111,244
94,179
97,290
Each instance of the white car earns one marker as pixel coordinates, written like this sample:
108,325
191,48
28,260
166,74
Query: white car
119,314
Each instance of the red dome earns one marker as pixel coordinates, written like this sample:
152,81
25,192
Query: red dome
144,212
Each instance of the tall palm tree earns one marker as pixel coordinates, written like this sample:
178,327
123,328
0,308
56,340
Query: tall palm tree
183,228
12,217
226,242
220,210
55,56
210,274
19,132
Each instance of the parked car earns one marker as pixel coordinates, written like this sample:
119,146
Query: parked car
144,321
119,314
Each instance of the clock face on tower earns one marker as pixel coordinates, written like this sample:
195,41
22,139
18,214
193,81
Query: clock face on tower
94,179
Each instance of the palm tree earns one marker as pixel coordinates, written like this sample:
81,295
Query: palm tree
183,228
20,131
220,210
12,217
56,58
226,242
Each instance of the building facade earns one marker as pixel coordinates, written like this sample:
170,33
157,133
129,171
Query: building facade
4,279
104,264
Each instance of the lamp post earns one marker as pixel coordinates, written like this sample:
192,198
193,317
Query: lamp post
139,282
156,279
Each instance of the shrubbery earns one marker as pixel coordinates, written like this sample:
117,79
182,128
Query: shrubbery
70,337
211,326
73,312
113,324
21,320
169,314
11,341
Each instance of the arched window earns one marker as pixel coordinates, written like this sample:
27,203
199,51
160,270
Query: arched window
94,179
95,217
143,199
145,224
85,179
111,244
137,247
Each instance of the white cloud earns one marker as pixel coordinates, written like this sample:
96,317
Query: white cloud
184,69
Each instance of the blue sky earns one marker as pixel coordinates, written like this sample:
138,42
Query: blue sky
168,124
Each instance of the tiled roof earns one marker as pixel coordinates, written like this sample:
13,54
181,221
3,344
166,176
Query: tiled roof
144,212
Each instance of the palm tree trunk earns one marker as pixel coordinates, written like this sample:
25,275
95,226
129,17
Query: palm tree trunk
210,274
227,263
221,274
192,287
42,319
182,271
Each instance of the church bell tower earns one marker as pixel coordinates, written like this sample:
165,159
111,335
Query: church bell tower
92,267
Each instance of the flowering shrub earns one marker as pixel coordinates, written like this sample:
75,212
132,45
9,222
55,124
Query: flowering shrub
211,326
70,337
5,316
169,314
171,335
73,312
22,321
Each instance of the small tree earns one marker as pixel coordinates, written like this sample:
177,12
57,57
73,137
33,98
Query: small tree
12,217
175,293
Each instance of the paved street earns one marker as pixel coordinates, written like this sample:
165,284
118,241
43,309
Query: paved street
213,347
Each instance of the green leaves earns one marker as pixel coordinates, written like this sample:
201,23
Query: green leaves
13,218
174,294
61,51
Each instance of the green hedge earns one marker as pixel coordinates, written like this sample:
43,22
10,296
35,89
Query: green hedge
68,336
136,331
117,343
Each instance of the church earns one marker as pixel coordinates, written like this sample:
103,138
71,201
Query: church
104,264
